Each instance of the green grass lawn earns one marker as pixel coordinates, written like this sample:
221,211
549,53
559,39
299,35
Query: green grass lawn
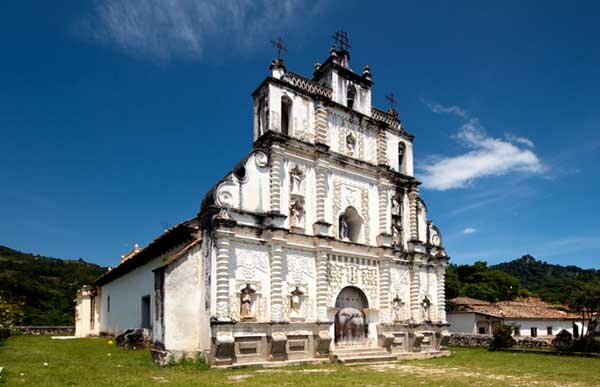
40,361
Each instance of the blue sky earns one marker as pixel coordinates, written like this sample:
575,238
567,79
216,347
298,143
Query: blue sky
117,116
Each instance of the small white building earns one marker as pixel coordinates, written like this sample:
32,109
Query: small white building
530,317
317,240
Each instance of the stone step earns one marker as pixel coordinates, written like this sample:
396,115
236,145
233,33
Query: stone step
365,358
350,350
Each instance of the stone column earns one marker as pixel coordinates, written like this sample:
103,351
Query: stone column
383,213
275,183
321,126
322,288
415,303
222,280
413,215
441,292
321,226
382,147
384,290
277,296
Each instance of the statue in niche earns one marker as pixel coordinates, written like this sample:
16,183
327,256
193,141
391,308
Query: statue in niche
246,302
297,212
397,234
350,143
296,178
426,304
343,227
396,205
397,307
296,301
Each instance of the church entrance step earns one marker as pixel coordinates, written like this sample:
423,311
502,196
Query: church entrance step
361,355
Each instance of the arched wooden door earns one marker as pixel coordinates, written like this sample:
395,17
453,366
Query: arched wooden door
350,321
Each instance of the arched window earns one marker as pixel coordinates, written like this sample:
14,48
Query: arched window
401,153
350,96
286,114
350,225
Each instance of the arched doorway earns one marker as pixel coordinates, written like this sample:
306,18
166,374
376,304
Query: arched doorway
350,320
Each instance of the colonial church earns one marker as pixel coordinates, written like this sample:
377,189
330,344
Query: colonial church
315,246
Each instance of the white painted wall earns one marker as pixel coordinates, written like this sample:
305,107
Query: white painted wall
542,325
461,322
186,322
126,294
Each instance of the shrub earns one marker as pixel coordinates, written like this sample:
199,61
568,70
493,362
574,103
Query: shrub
10,315
502,337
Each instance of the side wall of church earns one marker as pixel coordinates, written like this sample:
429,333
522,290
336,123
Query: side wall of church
186,321
124,310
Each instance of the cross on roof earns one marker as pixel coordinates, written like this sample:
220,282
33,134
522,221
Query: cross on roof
392,100
342,41
278,44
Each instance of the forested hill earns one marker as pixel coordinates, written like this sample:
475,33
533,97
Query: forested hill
46,286
547,280
521,277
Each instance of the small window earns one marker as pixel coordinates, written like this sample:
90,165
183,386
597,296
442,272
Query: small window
146,312
575,330
286,114
533,332
517,331
550,331
482,330
108,304
350,96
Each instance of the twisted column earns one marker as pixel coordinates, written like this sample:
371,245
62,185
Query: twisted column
415,305
441,292
276,283
384,290
222,280
382,147
321,193
275,183
322,288
383,213
413,215
321,125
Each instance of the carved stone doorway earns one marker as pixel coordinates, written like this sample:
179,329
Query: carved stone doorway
350,321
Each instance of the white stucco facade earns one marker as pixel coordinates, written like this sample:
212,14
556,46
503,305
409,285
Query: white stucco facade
319,226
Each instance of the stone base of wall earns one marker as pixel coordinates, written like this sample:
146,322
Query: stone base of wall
474,340
47,330
250,343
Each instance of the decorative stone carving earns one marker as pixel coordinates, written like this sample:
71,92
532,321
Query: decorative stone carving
297,212
297,177
426,308
350,144
246,302
397,307
261,159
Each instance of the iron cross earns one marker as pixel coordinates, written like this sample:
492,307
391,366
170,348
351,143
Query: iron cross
392,100
342,41
278,44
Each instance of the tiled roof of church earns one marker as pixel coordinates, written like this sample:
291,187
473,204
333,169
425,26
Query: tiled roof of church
176,235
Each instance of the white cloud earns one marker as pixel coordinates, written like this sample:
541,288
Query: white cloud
168,29
469,230
456,110
520,140
487,156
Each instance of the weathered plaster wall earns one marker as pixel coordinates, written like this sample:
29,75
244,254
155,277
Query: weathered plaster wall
185,319
461,322
542,326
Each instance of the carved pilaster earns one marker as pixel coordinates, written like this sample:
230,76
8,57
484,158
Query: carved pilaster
381,147
275,183
321,125
222,280
276,282
322,288
413,215
415,305
384,290
441,292
321,227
